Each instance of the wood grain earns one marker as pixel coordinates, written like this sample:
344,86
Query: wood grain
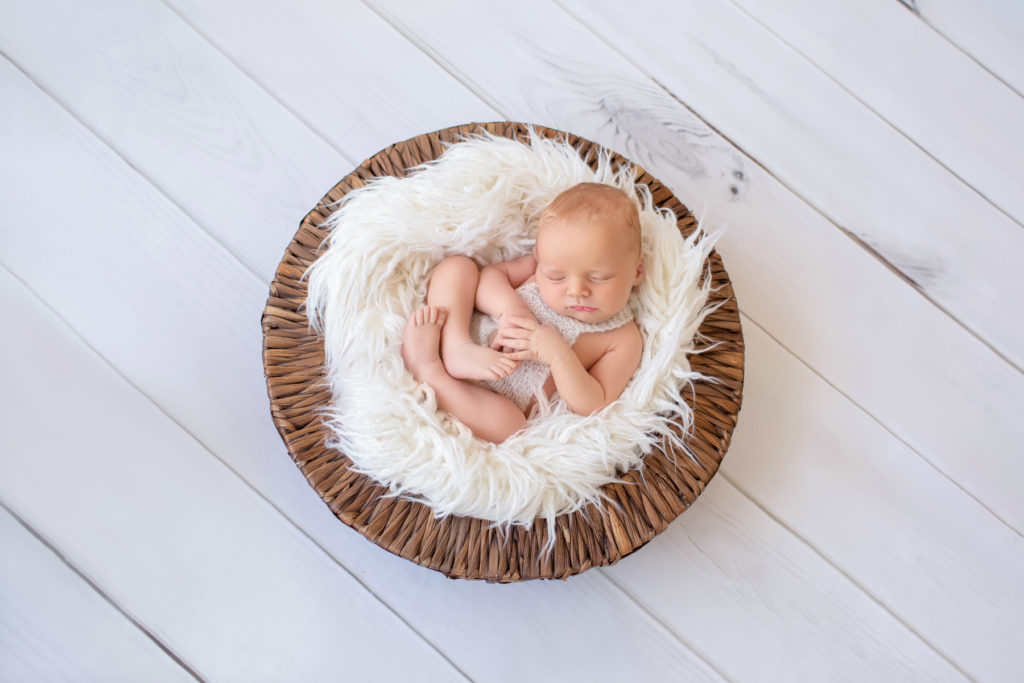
840,156
55,626
898,528
128,267
921,84
170,533
772,591
157,90
194,310
988,31
333,64
241,432
806,283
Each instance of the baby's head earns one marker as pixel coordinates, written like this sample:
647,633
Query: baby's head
588,252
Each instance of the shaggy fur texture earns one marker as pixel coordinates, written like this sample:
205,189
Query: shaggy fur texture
482,198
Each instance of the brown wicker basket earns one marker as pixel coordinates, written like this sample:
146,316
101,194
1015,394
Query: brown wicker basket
464,547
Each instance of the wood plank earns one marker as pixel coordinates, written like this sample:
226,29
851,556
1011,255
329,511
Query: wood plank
515,51
769,592
811,288
934,430
916,80
158,92
530,609
957,248
339,68
897,527
246,167
170,533
55,626
186,332
988,30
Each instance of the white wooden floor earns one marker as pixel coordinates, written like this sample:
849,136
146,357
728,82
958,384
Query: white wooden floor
868,158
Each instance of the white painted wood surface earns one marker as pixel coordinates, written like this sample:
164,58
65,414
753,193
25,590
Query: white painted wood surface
55,625
155,159
919,83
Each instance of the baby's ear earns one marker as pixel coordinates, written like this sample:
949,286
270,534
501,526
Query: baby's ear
639,272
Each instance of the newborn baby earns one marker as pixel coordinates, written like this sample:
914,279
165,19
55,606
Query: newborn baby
563,323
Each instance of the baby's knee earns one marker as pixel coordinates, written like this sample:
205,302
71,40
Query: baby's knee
461,267
505,422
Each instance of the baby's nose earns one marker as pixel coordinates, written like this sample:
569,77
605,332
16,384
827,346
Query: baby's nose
577,287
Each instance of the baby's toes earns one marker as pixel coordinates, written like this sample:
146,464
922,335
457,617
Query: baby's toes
504,367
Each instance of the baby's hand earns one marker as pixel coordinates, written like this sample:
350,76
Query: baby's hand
533,341
504,324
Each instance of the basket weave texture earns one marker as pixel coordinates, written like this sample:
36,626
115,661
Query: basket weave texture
464,547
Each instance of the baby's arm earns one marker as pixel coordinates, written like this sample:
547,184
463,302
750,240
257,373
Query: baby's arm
496,292
584,392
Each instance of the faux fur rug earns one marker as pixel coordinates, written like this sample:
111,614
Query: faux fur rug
482,198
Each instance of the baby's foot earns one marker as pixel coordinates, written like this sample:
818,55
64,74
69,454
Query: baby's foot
421,342
467,360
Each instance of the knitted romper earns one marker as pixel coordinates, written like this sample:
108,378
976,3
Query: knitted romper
528,380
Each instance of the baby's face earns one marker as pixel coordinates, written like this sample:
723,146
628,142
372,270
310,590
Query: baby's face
586,270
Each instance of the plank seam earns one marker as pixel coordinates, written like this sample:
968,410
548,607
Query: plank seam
857,240
221,244
67,109
842,572
260,84
243,480
175,657
664,625
445,66
916,11
846,232
881,424
477,91
910,5
874,111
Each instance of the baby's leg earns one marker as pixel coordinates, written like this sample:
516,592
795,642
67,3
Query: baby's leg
453,287
489,416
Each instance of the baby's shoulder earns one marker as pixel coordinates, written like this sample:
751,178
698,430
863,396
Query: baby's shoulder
627,333
625,337
623,344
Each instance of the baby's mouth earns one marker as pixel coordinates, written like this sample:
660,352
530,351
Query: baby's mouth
583,309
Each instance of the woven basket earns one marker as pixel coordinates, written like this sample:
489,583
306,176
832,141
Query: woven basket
463,547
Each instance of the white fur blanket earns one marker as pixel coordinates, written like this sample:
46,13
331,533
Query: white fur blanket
482,198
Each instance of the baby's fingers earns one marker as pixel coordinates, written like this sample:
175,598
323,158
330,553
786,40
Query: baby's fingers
522,355
517,344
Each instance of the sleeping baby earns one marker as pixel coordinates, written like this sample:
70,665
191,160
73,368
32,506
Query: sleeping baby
491,342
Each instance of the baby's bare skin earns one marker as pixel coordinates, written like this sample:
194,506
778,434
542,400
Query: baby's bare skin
420,343
452,286
488,415
586,263
466,360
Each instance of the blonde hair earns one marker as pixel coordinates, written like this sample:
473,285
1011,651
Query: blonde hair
596,202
